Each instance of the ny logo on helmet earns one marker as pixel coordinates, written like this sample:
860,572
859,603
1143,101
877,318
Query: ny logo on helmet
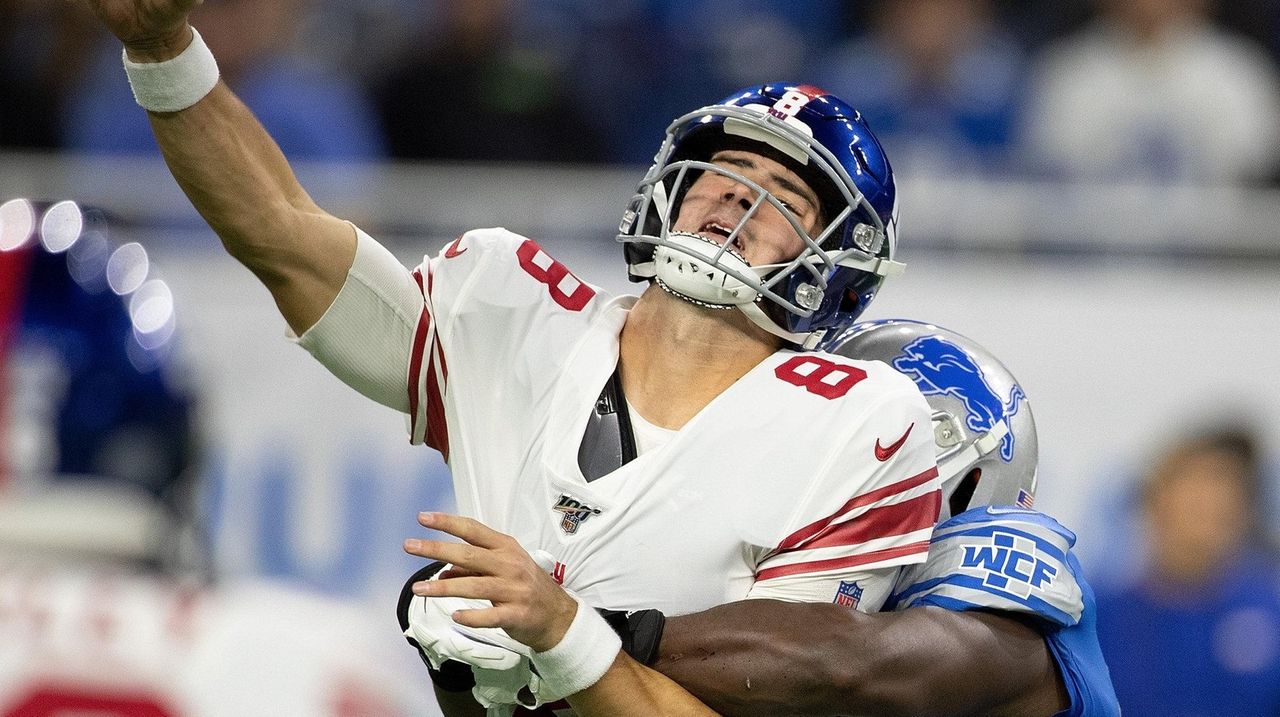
940,367
575,512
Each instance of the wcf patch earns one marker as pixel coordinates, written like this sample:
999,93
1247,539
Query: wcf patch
1010,563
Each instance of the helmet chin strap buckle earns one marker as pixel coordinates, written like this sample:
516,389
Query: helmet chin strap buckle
981,446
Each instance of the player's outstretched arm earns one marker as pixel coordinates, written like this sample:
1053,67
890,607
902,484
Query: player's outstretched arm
235,175
763,657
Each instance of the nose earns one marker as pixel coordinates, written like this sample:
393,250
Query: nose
736,191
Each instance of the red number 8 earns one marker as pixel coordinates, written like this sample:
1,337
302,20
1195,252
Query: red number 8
532,257
812,380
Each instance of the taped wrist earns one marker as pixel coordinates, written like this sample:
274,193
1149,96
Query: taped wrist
587,650
453,676
175,84
639,630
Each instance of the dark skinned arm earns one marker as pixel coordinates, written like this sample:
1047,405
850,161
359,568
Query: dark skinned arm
763,657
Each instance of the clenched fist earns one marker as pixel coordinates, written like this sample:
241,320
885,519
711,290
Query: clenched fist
151,30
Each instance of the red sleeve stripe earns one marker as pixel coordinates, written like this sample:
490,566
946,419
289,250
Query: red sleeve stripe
894,519
809,531
437,428
435,432
444,367
817,566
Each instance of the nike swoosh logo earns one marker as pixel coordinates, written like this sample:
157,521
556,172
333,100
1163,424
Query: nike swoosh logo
453,251
884,453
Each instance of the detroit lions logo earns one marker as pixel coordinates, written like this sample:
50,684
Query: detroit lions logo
939,367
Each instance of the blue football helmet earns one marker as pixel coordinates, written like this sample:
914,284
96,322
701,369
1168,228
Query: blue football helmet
983,429
842,265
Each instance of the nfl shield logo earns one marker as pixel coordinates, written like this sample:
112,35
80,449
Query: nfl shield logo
848,594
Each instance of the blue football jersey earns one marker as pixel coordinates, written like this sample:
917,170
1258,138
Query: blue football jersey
1016,560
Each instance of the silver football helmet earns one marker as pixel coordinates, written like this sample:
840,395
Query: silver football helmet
982,424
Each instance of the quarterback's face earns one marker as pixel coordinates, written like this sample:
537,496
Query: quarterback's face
715,203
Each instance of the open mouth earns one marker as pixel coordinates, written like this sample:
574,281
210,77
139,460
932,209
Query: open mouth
711,229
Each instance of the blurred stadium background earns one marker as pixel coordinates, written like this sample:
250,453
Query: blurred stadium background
1087,188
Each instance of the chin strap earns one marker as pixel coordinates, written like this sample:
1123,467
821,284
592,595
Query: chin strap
756,315
980,447
808,341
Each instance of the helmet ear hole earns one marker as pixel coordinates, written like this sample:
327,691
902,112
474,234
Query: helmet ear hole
963,494
849,302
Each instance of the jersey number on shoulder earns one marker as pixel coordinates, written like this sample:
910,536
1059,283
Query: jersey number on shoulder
820,376
565,288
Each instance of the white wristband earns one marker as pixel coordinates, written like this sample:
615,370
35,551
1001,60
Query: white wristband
580,659
174,84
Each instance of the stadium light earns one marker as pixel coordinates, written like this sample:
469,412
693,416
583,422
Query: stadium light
127,268
61,226
17,223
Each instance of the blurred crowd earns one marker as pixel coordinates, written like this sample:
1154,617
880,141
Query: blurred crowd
1117,90
1196,629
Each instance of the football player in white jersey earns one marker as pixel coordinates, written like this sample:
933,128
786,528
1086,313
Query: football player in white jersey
766,223
1017,635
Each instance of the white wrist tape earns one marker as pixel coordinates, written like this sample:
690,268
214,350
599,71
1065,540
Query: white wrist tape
580,659
174,84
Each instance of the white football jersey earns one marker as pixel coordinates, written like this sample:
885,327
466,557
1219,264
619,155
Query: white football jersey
811,478
102,642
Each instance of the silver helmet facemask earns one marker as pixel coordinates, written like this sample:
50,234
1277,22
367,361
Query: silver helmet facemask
708,271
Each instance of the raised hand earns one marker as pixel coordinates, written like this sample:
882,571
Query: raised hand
152,30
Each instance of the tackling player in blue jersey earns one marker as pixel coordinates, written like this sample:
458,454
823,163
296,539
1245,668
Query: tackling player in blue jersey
1015,634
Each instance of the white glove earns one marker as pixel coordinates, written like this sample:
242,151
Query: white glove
496,688
440,638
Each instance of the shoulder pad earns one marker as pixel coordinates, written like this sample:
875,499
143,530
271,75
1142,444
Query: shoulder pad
997,558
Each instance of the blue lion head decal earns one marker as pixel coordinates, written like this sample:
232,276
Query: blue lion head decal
940,367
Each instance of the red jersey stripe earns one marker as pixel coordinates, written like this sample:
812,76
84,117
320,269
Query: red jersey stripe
851,561
444,367
437,428
809,531
437,432
886,521
415,358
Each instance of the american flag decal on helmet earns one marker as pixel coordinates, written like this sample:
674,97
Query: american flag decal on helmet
1025,500
575,512
849,594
